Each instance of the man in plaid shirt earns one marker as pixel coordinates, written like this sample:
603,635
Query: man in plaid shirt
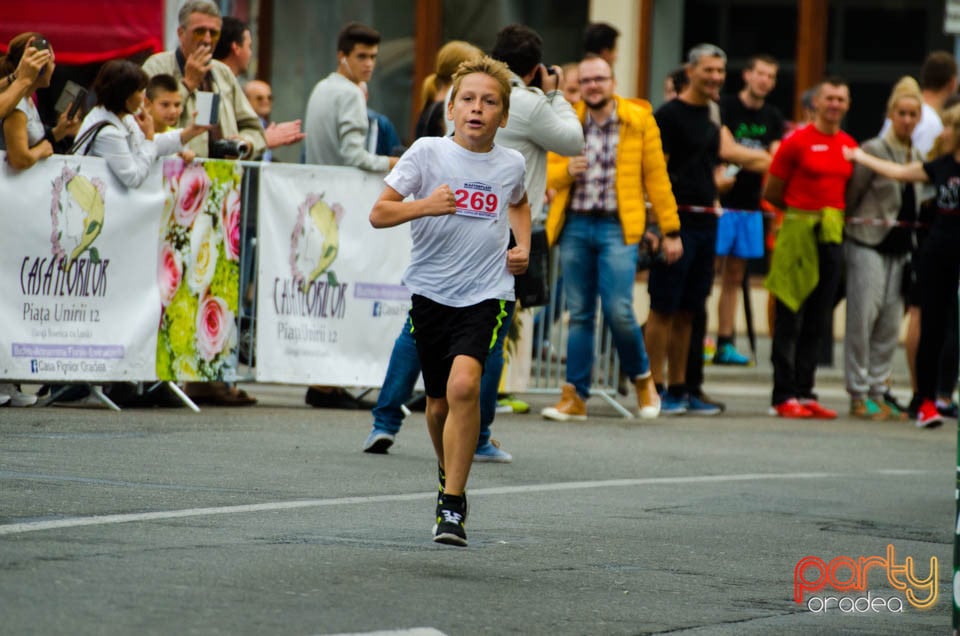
597,219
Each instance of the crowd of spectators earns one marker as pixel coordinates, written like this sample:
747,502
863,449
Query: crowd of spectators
874,223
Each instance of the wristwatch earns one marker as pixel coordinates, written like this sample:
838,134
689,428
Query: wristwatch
11,78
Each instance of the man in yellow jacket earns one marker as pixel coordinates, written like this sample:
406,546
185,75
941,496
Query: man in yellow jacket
597,219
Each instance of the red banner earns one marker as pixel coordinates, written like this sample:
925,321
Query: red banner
87,32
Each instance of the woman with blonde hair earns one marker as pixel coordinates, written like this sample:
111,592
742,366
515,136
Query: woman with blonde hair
938,260
434,90
881,215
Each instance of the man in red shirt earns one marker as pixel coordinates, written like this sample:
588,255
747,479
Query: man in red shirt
808,178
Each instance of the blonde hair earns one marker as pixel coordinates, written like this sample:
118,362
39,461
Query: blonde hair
488,66
905,88
449,57
950,119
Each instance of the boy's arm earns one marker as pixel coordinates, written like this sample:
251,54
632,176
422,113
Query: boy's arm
518,256
390,209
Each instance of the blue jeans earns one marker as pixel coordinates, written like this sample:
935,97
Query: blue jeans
595,261
404,369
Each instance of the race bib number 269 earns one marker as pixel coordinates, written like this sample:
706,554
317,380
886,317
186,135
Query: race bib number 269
478,199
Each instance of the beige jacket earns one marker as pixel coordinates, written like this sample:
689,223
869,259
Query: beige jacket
237,117
870,196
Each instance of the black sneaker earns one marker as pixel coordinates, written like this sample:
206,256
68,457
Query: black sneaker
890,400
441,484
451,515
948,409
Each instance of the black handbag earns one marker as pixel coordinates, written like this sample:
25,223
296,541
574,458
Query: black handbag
533,287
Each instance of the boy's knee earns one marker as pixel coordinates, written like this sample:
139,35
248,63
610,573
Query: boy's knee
463,387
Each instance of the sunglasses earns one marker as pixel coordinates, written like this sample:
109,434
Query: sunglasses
199,33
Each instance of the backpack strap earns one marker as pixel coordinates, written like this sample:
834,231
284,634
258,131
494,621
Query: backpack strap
87,138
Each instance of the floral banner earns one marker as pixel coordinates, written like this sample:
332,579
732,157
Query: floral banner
77,272
329,301
199,270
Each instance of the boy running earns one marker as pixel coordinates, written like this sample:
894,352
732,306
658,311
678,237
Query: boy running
467,195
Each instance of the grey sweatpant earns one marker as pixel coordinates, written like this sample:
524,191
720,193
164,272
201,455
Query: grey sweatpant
874,313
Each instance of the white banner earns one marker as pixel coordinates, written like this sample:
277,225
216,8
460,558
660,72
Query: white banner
329,298
78,272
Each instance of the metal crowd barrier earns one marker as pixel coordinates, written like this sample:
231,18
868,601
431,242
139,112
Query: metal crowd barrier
550,345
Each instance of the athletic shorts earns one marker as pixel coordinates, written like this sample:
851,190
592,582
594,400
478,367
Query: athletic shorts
686,284
443,333
740,234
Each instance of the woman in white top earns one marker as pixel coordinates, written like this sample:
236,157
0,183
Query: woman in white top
125,137
23,136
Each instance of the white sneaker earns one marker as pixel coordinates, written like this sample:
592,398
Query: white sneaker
15,397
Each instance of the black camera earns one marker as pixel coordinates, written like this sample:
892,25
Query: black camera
40,44
536,81
647,256
229,149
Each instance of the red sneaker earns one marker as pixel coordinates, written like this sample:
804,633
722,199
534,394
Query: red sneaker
928,416
818,411
792,409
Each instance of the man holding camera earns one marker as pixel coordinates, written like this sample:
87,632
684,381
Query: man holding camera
597,219
238,134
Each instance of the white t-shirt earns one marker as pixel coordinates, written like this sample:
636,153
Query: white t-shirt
460,259
34,124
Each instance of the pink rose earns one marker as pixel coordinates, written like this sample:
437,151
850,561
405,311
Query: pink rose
169,273
230,215
215,327
172,168
193,188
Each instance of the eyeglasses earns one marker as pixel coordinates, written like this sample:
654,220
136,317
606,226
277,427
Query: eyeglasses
594,80
199,33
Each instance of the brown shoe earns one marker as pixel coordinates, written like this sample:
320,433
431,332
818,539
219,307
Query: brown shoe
570,407
648,401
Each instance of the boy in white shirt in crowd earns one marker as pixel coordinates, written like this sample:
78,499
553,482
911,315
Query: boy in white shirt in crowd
467,195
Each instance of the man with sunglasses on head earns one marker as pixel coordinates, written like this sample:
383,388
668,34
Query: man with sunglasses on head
194,68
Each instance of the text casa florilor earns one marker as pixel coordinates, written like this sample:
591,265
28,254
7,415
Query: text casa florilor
47,277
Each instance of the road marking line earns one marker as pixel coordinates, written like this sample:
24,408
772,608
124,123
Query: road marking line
414,631
101,520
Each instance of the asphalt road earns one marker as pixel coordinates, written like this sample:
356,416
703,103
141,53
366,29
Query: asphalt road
269,520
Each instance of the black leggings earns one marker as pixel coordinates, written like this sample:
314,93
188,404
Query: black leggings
938,274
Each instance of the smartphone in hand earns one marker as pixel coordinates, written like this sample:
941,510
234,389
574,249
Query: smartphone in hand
78,103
